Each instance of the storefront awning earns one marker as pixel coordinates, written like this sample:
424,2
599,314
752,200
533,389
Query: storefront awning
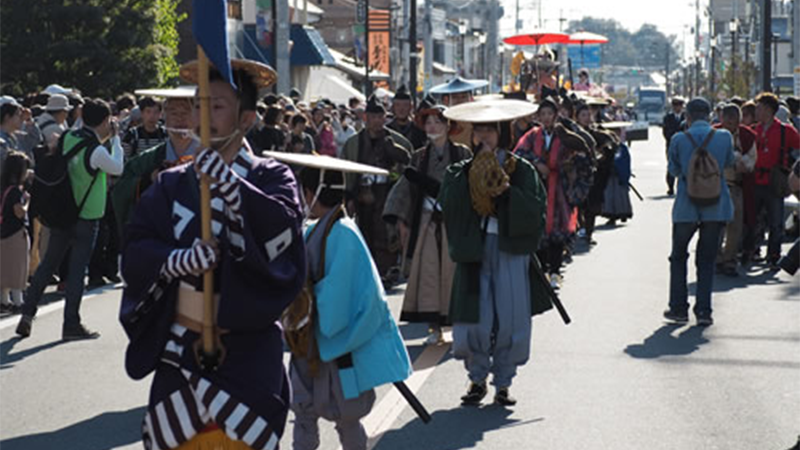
307,49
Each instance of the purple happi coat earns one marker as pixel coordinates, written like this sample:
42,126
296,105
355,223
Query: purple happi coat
248,395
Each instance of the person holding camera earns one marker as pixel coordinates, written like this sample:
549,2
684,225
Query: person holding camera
88,172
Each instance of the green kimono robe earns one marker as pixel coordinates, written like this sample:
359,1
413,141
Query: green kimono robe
521,219
134,181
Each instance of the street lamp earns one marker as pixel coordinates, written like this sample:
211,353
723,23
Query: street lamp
462,31
733,27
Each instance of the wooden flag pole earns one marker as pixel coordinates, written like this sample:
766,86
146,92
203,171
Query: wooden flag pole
209,340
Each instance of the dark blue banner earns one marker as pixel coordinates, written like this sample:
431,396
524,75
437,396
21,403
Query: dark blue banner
209,29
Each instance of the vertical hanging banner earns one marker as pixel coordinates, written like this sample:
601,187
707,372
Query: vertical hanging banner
209,30
264,29
380,42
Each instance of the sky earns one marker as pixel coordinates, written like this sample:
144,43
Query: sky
669,16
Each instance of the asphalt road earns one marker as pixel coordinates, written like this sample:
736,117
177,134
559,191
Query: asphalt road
617,378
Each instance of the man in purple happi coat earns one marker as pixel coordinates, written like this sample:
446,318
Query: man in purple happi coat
258,258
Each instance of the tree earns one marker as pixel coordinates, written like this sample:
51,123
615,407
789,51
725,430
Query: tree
102,47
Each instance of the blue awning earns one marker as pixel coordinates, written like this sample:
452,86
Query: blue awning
783,81
308,47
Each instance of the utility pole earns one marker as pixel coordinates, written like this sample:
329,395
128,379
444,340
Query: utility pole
428,47
412,52
666,67
766,46
697,46
713,70
282,63
517,24
367,82
539,2
796,33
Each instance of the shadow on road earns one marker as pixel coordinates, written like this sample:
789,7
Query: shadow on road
102,432
7,359
457,428
664,343
660,197
724,283
792,292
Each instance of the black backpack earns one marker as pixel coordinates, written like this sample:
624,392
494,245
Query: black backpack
52,199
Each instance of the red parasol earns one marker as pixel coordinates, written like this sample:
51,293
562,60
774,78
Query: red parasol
584,37
537,38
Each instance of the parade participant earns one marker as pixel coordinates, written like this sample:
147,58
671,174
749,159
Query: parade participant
583,83
14,248
617,198
150,133
493,207
258,258
143,170
582,170
689,217
457,92
402,123
551,148
607,143
88,171
745,154
379,146
672,124
413,207
342,336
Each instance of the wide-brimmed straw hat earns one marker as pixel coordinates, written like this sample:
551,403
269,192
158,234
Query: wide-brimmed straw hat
178,92
490,111
262,74
322,162
458,85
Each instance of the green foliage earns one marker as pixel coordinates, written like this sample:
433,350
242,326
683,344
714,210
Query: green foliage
738,82
167,39
646,47
102,47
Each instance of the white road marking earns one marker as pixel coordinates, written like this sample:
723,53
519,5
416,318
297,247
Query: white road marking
382,416
12,321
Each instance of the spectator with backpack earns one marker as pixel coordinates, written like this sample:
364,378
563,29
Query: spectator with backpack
82,163
53,122
13,230
703,204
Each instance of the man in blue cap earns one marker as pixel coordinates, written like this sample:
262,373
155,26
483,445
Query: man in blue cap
689,217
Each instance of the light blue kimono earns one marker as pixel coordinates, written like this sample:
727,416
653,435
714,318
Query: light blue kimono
353,316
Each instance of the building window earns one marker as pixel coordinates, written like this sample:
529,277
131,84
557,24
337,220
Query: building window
438,51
